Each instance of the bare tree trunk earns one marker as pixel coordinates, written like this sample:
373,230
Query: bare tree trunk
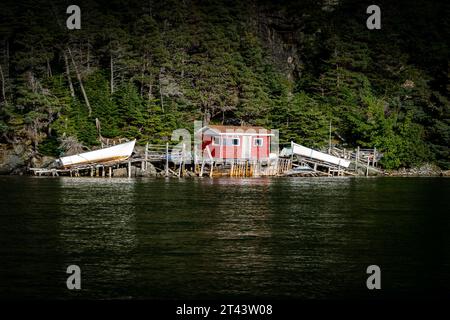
7,55
7,59
49,69
88,57
81,82
142,77
182,68
150,89
2,77
206,116
160,92
72,91
112,74
99,129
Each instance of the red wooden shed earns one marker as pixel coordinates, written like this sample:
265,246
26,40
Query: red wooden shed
236,142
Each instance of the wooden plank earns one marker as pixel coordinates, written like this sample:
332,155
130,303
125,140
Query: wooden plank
167,159
146,156
212,169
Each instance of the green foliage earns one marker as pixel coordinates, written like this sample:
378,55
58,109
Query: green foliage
153,67
131,111
301,119
50,147
3,127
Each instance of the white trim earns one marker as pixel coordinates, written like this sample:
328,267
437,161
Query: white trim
226,143
246,149
246,134
260,132
236,145
258,145
206,128
214,142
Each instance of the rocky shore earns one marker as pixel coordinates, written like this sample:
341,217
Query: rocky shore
18,160
425,170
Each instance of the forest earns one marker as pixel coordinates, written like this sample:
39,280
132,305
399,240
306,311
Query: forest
140,69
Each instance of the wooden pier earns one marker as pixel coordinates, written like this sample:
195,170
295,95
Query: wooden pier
244,168
362,162
154,157
166,161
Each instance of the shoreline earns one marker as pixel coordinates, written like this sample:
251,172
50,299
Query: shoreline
390,174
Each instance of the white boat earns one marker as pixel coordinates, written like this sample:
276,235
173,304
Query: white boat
115,153
317,155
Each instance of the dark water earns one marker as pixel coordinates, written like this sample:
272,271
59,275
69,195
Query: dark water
224,238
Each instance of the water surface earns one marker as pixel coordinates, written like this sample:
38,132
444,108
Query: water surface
224,238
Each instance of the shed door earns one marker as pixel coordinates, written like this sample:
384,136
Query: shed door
246,147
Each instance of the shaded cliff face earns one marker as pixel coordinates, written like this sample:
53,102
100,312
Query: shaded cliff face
146,68
281,35
287,27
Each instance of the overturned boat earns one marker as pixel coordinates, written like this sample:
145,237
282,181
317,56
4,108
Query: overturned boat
318,156
118,152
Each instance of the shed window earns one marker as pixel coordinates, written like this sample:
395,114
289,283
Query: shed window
216,141
231,141
258,142
235,141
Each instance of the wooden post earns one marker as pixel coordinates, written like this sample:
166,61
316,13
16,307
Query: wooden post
203,167
146,156
179,169
167,159
110,172
180,172
357,159
129,169
374,160
231,169
368,164
212,168
292,150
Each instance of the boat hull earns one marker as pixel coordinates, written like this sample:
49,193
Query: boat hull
115,153
317,155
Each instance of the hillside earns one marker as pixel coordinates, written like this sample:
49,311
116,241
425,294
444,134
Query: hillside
148,67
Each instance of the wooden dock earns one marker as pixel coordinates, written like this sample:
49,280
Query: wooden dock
244,168
160,160
362,162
